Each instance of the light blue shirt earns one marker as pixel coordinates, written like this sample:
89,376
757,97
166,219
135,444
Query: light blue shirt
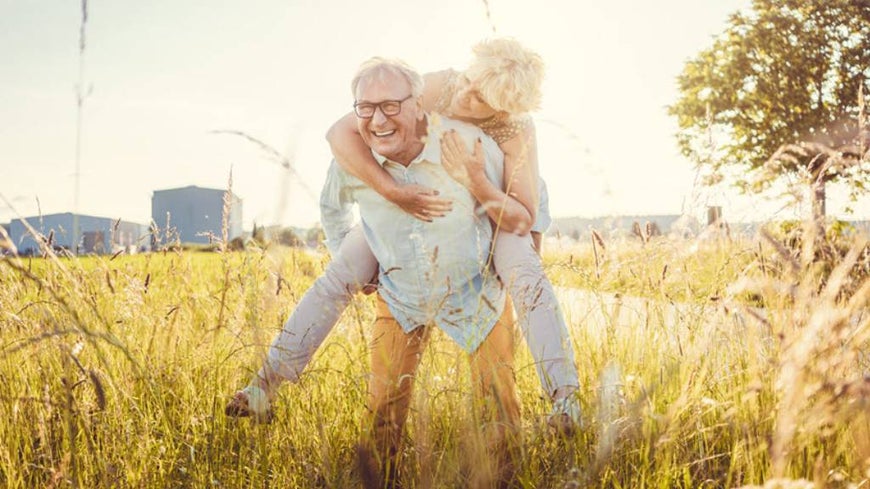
543,220
430,272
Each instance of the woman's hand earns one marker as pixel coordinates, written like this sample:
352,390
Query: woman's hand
463,166
421,202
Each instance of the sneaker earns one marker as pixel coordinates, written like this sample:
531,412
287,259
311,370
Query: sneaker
251,401
566,416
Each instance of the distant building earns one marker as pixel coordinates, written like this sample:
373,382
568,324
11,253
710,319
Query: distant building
4,246
580,228
194,215
98,235
686,226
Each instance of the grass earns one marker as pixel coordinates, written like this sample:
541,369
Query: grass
665,269
117,372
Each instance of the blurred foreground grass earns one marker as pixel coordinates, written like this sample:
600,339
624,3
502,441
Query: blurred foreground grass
116,372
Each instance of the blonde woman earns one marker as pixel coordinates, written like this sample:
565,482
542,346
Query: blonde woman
497,90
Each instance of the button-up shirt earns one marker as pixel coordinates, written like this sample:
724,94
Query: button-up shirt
430,272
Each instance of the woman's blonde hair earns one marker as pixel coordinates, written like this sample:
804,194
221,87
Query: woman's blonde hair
378,66
507,75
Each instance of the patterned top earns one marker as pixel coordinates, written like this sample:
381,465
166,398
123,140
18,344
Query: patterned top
501,127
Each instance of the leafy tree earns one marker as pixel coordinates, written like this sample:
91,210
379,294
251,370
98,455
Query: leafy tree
258,236
315,237
288,237
780,90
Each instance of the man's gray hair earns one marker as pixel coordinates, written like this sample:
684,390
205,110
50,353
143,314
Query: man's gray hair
378,66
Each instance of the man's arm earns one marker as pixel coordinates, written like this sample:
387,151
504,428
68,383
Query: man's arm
335,208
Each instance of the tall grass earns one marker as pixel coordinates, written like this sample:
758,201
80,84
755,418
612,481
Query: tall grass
117,371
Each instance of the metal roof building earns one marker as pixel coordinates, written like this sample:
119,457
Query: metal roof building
194,215
98,235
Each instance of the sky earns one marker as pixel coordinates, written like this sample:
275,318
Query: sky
167,82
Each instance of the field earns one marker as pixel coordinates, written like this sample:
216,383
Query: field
116,372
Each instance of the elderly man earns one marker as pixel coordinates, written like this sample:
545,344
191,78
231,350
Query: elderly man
431,273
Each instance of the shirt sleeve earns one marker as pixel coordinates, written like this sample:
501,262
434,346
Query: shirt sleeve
493,162
336,208
543,221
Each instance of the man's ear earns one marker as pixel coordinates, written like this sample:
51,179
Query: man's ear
420,113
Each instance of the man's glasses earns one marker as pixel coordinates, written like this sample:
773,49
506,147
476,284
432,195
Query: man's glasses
366,110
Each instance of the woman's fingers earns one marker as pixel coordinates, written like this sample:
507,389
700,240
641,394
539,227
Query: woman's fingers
455,143
435,207
425,203
448,150
452,144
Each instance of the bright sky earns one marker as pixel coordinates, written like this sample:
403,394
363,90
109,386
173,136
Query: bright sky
166,74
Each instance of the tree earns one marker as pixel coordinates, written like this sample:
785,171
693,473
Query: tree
780,91
288,237
315,237
258,235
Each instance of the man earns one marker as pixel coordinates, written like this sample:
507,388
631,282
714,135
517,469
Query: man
431,273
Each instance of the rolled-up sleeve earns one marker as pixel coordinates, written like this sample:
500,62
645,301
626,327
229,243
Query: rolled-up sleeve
336,214
543,221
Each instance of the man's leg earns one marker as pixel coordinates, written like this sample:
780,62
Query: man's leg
492,371
395,357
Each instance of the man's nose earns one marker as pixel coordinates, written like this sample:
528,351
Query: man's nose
379,117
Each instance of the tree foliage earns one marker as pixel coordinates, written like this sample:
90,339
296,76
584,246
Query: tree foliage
779,90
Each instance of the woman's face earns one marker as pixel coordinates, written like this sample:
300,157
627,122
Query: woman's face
468,103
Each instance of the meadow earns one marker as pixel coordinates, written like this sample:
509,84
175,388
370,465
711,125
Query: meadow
116,371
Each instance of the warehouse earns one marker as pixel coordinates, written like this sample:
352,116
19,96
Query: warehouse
92,234
193,215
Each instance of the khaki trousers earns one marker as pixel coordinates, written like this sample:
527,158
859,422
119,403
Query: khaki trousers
395,356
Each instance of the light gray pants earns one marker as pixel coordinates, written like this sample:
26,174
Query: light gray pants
517,264
538,313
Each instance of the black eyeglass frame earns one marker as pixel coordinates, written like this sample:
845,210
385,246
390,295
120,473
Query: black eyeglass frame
380,105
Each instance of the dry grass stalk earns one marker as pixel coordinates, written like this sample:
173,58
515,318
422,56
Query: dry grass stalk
597,242
639,232
610,402
822,339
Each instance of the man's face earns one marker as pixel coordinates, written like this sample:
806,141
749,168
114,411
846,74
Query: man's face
392,136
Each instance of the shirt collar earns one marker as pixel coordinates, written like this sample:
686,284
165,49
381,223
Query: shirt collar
431,147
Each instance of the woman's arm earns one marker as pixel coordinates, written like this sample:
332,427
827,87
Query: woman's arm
355,157
521,169
513,209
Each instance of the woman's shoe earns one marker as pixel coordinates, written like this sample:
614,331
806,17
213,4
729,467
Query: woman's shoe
252,402
566,416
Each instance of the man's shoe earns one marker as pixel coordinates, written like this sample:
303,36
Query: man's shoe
566,416
251,401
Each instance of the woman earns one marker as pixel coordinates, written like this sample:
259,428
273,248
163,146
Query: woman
498,88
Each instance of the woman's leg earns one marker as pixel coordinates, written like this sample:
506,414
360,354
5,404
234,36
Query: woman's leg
311,320
319,309
538,313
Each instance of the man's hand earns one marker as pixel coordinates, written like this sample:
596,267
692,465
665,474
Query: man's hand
421,202
463,166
